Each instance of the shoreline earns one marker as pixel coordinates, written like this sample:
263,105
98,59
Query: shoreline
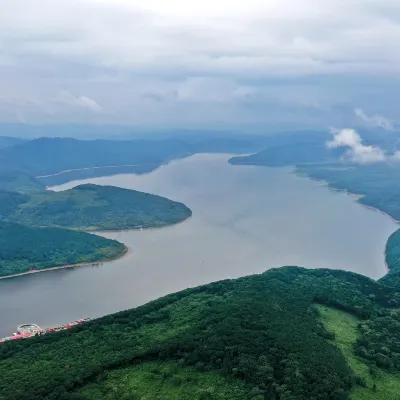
127,252
105,231
380,211
356,198
66,171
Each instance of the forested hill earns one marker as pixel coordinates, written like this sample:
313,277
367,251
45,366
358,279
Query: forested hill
392,258
23,248
259,337
52,155
91,207
19,182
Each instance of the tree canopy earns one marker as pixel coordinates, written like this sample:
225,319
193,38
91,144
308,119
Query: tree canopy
25,248
91,207
263,330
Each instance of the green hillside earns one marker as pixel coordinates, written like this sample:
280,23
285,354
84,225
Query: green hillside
91,207
51,155
392,258
23,248
377,384
258,337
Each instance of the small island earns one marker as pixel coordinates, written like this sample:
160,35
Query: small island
26,249
91,208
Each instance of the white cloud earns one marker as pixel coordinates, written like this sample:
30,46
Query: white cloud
111,49
374,120
80,102
358,152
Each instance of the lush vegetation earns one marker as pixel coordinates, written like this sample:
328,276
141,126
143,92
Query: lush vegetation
23,248
261,334
23,200
288,334
392,255
91,207
165,381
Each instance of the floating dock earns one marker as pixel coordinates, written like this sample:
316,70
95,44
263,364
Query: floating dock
28,330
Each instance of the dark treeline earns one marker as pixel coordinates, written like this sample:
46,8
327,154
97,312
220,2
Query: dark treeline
23,248
263,330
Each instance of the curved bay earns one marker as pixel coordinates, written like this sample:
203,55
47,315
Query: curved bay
245,220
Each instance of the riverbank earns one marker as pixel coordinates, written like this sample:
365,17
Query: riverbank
149,228
355,196
100,167
125,254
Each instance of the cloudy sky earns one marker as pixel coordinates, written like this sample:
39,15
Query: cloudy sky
209,63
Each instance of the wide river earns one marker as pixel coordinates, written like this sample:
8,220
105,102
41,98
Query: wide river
245,220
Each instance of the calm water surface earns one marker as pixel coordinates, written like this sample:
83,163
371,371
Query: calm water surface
245,220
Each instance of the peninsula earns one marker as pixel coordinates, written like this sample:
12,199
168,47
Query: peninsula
26,249
91,208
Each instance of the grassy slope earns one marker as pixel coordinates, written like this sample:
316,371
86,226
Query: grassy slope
344,326
165,381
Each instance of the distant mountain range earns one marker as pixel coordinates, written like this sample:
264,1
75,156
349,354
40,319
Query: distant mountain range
46,156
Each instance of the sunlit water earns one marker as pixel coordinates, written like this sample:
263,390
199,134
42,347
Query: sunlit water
245,220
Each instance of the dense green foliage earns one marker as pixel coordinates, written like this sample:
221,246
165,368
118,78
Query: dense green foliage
377,384
392,255
282,335
165,381
380,341
262,330
23,248
91,207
